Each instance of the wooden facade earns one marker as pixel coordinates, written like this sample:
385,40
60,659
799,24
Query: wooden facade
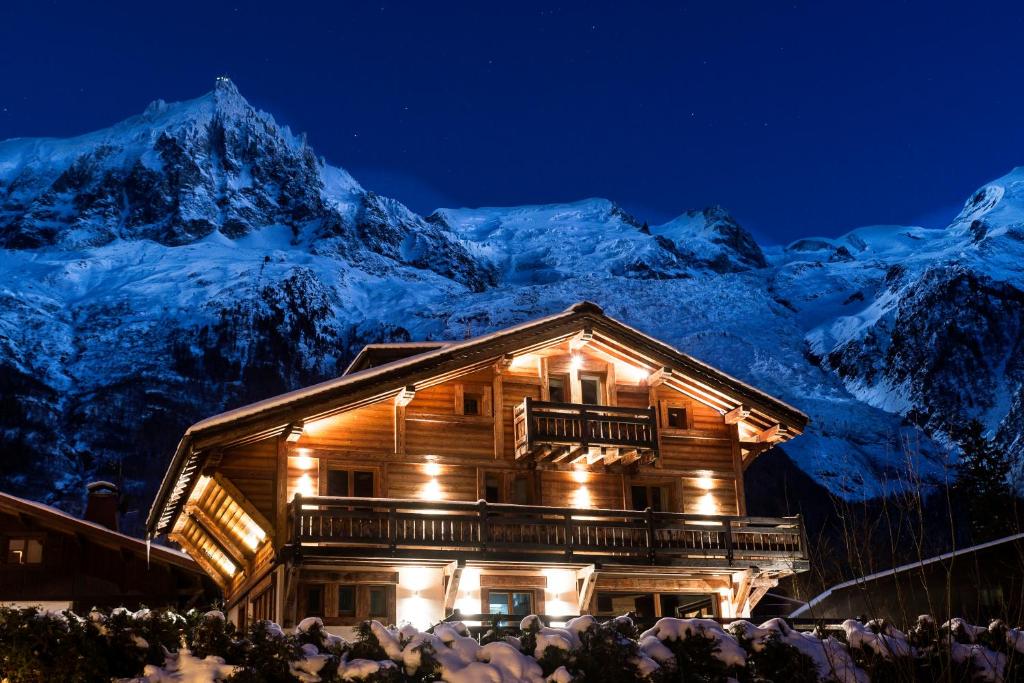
57,561
566,465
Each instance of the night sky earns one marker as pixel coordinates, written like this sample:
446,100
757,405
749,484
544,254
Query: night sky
802,118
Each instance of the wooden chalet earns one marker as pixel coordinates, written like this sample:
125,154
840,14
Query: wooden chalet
56,561
567,465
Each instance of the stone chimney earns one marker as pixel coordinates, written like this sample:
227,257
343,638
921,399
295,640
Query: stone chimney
101,506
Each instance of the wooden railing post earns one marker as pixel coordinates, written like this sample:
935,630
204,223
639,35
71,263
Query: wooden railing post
568,535
651,536
584,428
728,542
297,527
485,529
392,532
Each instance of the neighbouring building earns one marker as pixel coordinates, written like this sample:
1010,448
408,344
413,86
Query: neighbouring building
977,583
567,465
56,561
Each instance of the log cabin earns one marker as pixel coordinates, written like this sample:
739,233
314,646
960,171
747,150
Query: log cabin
567,465
55,561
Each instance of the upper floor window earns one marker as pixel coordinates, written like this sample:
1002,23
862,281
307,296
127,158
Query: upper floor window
590,390
676,417
24,551
472,404
350,483
510,602
557,390
654,497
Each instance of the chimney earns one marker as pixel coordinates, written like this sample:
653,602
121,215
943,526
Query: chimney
101,506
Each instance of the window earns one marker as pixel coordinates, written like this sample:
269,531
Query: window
510,602
357,483
24,551
676,418
492,487
315,600
654,497
378,601
556,390
590,390
472,404
346,601
522,489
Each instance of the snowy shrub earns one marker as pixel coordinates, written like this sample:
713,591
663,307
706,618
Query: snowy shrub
164,647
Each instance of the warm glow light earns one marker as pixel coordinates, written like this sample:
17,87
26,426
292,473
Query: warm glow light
431,491
524,361
576,362
580,498
707,505
303,462
305,486
227,565
580,476
705,482
560,581
636,374
432,469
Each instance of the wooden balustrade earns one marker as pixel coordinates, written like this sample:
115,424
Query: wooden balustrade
564,431
438,530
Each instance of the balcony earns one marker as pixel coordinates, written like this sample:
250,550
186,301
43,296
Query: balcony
386,527
573,432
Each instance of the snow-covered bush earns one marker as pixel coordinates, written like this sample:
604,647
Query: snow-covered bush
164,647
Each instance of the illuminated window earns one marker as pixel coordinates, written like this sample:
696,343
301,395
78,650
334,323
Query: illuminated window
24,551
519,603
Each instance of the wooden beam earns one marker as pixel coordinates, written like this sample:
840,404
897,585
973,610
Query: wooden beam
453,575
498,413
737,469
405,396
503,363
281,495
235,552
659,376
736,415
293,431
243,502
588,578
399,427
217,575
771,435
581,339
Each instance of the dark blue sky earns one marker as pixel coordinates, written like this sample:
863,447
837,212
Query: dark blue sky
802,118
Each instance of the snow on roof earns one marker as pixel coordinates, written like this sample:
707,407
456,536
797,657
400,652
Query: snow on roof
902,568
368,349
24,505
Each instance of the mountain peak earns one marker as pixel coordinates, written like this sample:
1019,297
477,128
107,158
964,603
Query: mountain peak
717,237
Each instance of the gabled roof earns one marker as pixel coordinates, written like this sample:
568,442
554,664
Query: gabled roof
367,385
373,355
51,518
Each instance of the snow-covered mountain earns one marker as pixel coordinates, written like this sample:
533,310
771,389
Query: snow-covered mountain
199,256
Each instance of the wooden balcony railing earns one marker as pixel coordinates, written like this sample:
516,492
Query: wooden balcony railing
383,527
563,432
